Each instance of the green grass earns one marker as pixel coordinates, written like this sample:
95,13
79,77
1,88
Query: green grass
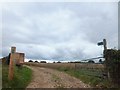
0,76
89,76
22,77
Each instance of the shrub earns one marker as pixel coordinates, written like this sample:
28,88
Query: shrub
58,62
36,62
30,61
43,62
91,61
112,62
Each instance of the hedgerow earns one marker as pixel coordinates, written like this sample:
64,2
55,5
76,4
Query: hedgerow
112,62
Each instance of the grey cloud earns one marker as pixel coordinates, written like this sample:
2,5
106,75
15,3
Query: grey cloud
59,30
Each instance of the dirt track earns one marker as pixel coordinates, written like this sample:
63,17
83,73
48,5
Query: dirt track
50,78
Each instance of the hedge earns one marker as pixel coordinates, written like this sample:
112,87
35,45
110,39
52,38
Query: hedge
112,62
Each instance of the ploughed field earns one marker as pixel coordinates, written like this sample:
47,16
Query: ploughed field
67,65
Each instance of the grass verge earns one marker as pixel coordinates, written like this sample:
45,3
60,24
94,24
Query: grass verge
89,76
22,77
0,76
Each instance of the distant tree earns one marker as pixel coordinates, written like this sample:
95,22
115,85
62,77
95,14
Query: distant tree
36,62
54,62
58,62
100,61
77,62
71,62
42,61
91,61
30,61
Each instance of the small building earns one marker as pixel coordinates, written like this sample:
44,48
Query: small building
17,57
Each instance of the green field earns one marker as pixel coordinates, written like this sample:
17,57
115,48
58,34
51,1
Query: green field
22,77
92,77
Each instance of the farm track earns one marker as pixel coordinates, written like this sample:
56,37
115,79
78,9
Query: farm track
50,78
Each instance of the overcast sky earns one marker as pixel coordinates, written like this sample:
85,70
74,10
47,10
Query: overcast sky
59,30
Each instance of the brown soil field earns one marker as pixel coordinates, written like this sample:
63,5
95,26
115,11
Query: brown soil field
69,65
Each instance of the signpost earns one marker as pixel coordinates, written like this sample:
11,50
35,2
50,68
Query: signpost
104,43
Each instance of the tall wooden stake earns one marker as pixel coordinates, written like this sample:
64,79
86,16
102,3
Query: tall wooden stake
11,68
105,44
11,64
105,49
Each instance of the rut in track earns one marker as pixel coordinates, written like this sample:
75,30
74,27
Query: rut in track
50,78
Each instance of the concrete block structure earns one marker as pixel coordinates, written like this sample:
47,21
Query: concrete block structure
17,57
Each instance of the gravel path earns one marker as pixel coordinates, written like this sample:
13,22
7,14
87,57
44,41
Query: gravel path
50,78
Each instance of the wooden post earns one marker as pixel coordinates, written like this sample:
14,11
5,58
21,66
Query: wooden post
106,58
105,44
11,64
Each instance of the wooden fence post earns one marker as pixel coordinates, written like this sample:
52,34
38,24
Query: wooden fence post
106,57
11,64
